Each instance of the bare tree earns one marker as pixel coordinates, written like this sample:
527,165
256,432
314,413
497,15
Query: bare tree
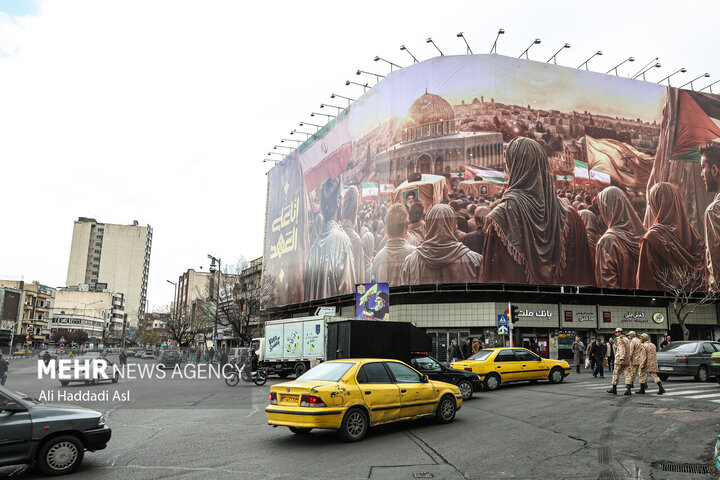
182,326
687,287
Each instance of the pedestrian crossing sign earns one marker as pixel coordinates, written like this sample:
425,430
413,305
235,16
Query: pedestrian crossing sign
503,324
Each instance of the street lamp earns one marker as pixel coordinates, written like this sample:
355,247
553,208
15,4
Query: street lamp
271,160
339,109
404,48
283,140
275,147
460,35
629,59
430,40
494,47
642,70
312,114
276,153
657,65
215,292
333,95
704,75
599,52
293,132
709,86
682,70
377,75
387,61
567,45
527,55
349,82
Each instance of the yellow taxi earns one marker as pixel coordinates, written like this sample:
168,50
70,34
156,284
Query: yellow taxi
505,365
354,394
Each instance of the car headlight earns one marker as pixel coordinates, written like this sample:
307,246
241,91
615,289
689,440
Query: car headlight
101,421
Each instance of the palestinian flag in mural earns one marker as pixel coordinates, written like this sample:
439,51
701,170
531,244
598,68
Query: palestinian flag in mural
626,165
487,174
698,122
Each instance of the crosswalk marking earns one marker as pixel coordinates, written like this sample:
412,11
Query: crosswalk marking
709,395
685,392
691,390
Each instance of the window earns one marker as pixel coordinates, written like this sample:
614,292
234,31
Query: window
481,355
525,356
425,363
403,373
373,373
707,348
98,244
505,356
682,347
331,371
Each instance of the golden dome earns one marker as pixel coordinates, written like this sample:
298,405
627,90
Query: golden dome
428,109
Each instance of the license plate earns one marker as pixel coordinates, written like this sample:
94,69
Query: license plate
288,398
666,369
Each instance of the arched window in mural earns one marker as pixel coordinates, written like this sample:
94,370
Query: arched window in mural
438,166
425,164
410,168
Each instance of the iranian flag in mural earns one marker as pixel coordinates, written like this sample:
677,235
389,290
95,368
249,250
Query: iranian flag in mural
370,190
586,176
487,174
327,153
698,122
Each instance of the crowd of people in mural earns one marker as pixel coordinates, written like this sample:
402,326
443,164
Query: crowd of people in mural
534,233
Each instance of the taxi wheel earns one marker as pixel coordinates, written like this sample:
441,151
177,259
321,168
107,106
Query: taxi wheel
355,425
446,410
60,455
299,431
466,390
492,382
556,375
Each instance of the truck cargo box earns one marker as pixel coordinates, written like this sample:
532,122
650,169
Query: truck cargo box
373,339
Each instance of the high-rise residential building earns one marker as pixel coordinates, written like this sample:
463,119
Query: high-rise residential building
34,312
106,256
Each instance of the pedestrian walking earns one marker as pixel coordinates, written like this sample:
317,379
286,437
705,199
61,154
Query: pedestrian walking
211,354
123,358
476,346
635,356
46,358
578,349
622,360
588,355
665,342
223,358
198,355
3,370
455,352
597,351
610,354
467,349
649,365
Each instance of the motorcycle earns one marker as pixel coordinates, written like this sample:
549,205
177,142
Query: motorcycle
258,377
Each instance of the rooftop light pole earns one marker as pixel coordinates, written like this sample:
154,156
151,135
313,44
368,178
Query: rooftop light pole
275,147
639,72
567,45
709,86
657,65
302,124
404,48
271,160
387,61
377,75
682,70
469,51
430,40
704,75
293,132
333,95
535,42
312,114
629,59
283,140
349,82
598,53
339,109
494,47
276,153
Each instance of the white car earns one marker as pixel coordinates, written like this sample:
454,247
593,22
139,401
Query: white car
93,375
148,354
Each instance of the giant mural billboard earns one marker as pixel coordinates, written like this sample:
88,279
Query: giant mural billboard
484,168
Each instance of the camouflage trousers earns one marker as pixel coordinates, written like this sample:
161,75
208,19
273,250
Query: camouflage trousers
644,375
624,369
632,371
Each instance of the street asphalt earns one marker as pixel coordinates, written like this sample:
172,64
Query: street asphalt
192,429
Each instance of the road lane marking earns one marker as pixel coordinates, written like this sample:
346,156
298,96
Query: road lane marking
709,395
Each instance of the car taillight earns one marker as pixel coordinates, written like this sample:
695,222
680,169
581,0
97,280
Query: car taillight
311,401
468,369
682,360
273,398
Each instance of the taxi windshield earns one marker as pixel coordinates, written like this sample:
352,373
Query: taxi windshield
481,355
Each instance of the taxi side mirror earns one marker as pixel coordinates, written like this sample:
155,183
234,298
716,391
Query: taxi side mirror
425,379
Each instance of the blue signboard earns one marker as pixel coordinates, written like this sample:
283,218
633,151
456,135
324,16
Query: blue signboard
503,324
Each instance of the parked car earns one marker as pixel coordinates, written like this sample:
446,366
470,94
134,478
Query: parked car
94,377
53,354
466,381
54,438
169,358
149,353
355,394
505,365
687,358
130,353
239,354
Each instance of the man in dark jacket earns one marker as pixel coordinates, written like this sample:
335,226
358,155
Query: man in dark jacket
211,354
597,351
223,358
467,349
123,358
3,370
46,358
455,353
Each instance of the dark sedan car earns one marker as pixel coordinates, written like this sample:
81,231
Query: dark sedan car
467,382
169,358
54,438
687,358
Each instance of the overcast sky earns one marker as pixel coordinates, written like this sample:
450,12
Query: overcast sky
162,111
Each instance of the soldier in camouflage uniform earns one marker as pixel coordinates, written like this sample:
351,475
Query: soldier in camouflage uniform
622,359
635,355
649,365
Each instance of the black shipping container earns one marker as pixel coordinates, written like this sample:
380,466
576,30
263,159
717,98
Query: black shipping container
372,339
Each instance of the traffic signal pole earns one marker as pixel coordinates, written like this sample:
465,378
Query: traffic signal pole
510,324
